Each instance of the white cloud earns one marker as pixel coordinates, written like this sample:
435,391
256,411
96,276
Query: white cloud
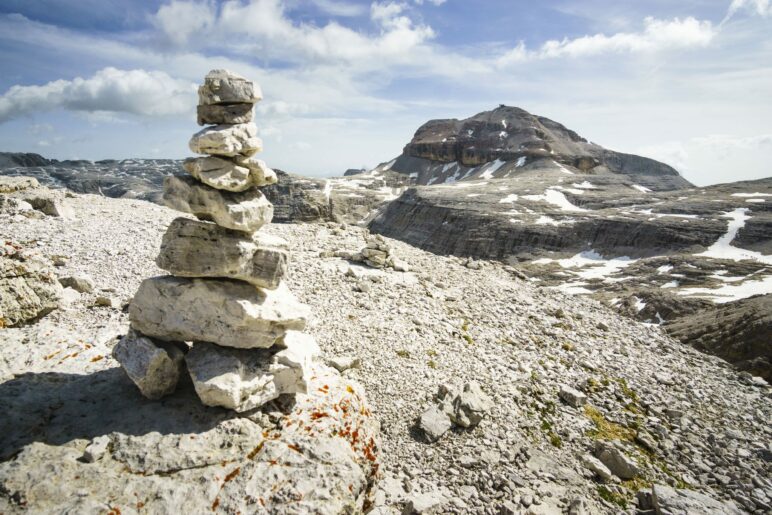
262,28
179,19
657,35
672,153
735,142
337,8
760,7
109,90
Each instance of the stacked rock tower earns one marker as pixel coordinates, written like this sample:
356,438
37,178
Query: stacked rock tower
224,313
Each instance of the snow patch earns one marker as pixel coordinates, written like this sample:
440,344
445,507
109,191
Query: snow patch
723,249
563,168
327,189
509,198
492,168
642,189
556,198
586,185
546,220
572,288
731,292
757,194
520,162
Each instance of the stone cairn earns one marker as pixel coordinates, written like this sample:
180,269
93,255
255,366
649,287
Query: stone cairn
225,293
376,254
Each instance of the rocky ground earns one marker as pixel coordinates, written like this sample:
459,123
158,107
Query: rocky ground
652,409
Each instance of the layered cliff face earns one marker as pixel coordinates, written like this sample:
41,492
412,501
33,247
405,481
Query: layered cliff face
452,150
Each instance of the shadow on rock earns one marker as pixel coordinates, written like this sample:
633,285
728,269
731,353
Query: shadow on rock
55,408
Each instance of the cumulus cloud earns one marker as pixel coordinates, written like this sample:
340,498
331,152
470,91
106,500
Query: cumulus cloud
673,153
179,20
263,28
109,90
726,141
656,35
337,8
760,7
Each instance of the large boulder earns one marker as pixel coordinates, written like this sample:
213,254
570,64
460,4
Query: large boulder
669,501
154,366
242,380
230,175
12,184
225,87
29,288
617,462
470,405
247,211
201,249
179,456
227,140
225,312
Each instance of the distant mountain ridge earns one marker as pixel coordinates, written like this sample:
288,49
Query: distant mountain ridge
493,144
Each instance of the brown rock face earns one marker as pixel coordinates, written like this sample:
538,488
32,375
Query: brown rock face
510,133
505,133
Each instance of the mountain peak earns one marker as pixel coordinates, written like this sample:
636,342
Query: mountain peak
509,134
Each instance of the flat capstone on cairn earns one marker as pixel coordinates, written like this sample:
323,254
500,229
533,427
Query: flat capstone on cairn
224,313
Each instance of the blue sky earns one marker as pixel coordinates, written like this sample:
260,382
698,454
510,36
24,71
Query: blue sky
346,83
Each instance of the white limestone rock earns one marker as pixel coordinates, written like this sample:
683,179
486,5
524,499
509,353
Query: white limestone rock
81,283
594,465
434,422
219,173
28,288
669,501
247,211
227,140
343,363
226,87
13,184
617,462
572,397
241,379
221,311
201,249
470,405
155,367
237,174
215,114
260,174
96,449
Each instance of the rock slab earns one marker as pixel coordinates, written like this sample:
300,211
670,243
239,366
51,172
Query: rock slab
227,140
226,87
201,249
228,313
247,211
241,380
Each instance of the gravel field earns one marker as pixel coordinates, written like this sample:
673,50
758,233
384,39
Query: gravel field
681,418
